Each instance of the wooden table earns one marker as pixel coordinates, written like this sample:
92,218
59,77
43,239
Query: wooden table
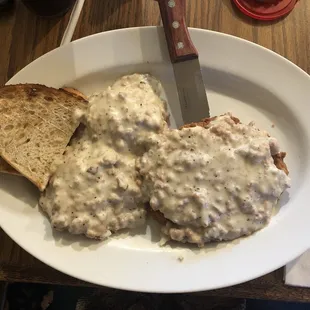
24,37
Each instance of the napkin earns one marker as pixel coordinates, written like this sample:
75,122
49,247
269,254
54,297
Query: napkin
297,272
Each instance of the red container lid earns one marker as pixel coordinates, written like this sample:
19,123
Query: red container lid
265,9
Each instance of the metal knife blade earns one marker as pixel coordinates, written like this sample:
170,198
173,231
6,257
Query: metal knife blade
191,90
184,57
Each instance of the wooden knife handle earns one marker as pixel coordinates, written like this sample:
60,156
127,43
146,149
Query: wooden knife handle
179,43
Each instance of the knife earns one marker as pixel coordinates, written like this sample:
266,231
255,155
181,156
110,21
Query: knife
184,57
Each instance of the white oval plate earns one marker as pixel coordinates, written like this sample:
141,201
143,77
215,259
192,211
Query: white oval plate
252,82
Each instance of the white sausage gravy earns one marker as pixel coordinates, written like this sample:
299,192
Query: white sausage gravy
215,183
211,183
96,191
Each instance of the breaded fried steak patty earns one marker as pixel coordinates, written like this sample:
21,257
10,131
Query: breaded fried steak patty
214,180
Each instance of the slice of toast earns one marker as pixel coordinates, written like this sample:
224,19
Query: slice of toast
5,167
36,124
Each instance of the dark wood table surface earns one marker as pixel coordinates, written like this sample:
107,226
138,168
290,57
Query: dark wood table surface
24,37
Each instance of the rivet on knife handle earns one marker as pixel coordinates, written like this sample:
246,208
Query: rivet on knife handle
180,45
